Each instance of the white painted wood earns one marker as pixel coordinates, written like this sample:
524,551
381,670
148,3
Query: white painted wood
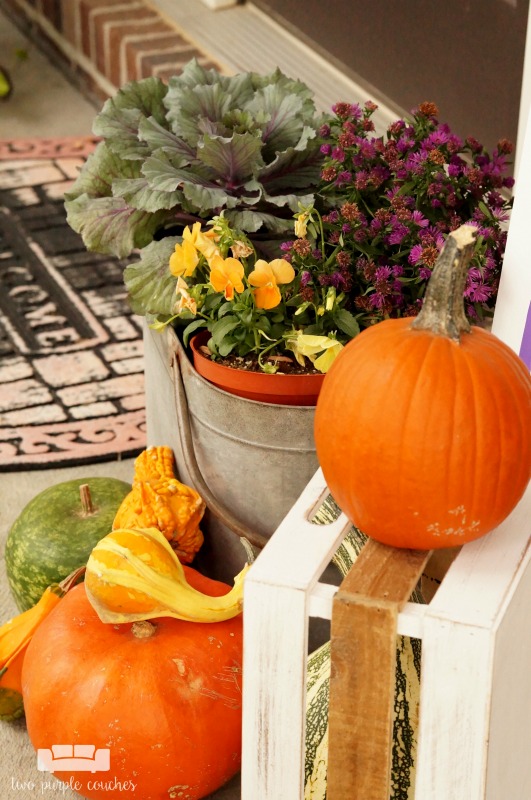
216,5
276,599
321,599
525,101
409,619
514,295
454,708
508,772
274,702
465,664
475,716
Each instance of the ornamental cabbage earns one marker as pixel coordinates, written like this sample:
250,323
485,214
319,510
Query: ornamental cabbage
177,153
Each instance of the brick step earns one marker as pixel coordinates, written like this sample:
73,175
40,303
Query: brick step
107,43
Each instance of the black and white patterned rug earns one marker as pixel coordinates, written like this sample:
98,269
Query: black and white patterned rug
71,352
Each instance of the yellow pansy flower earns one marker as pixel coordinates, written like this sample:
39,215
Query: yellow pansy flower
195,243
203,241
226,275
266,276
301,224
185,301
309,346
184,259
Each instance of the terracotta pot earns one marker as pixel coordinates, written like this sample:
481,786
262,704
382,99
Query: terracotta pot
280,389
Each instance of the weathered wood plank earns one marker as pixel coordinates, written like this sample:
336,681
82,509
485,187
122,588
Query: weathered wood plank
362,681
386,572
361,698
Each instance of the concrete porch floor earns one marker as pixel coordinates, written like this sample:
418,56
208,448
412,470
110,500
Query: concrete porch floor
44,103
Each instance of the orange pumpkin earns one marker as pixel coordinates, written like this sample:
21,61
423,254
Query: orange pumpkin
422,425
164,697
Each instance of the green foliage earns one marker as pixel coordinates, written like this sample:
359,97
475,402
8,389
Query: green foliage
205,143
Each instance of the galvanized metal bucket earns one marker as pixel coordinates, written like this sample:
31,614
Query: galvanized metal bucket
249,460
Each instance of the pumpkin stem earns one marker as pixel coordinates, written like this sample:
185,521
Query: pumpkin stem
70,580
443,311
86,500
143,629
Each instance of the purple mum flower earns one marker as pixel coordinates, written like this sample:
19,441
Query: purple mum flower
419,219
383,273
478,292
343,178
378,300
398,233
337,280
416,254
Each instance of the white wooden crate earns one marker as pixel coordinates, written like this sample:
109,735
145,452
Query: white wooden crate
475,718
475,710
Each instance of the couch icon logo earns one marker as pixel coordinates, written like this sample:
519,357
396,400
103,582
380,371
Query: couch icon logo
78,757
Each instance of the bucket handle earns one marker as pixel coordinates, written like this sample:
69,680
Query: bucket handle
218,509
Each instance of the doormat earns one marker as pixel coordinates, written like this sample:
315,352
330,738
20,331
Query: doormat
71,351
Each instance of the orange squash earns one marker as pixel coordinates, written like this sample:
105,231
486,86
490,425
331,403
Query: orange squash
164,697
159,500
422,427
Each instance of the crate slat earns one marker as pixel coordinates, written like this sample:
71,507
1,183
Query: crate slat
362,682
276,600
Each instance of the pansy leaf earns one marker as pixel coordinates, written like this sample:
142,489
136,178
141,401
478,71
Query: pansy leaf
234,160
226,347
346,322
222,328
150,284
109,225
192,328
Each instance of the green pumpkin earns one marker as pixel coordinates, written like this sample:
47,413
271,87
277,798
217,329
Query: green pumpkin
55,533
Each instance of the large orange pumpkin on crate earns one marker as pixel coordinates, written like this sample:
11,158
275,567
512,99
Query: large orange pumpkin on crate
422,427
163,697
